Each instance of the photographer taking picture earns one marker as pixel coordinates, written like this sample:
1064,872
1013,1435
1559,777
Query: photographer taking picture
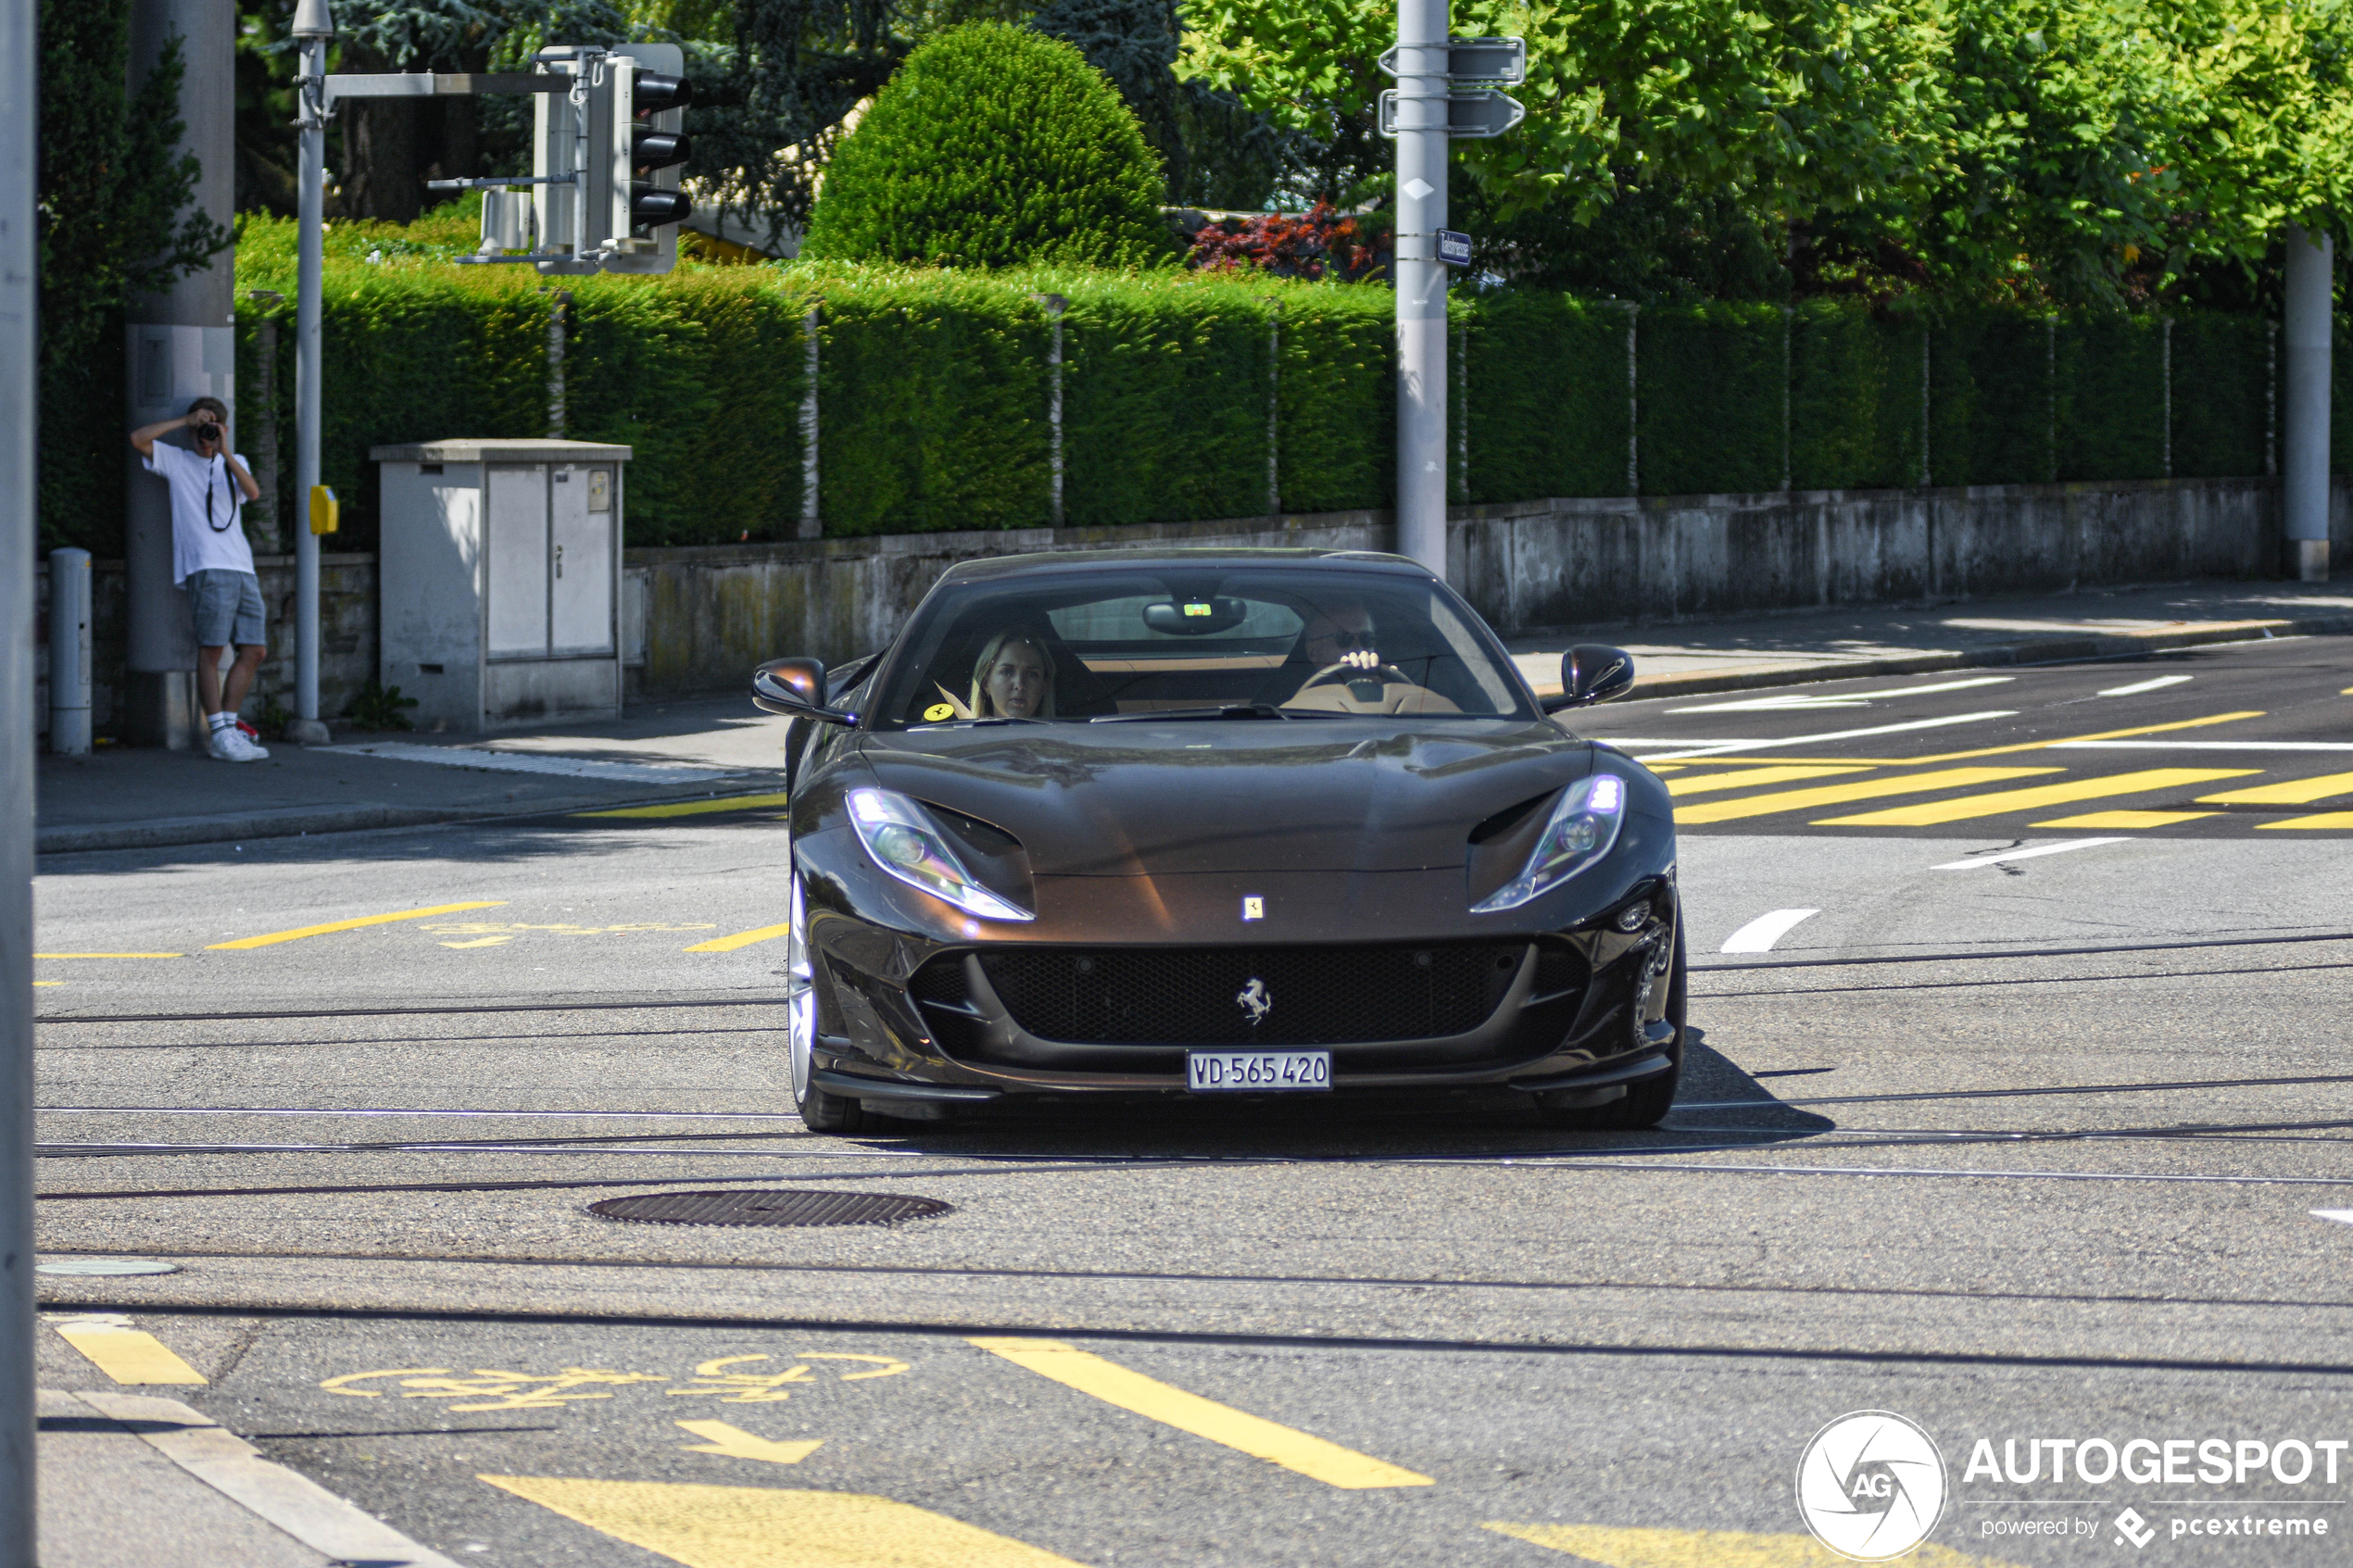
211,561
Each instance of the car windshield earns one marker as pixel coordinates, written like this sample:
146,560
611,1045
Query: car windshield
1250,642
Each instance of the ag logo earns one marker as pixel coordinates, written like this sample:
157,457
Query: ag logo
1872,1485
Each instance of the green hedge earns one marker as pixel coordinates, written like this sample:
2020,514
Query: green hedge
2109,397
1989,413
1711,409
1854,397
1165,391
1545,411
2221,396
933,390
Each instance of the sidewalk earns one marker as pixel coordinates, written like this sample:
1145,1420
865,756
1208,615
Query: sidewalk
1854,641
127,1479
124,799
119,799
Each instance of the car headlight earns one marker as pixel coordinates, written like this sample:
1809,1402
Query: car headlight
904,843
1583,827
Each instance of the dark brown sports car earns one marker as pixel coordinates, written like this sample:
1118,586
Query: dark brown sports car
1215,821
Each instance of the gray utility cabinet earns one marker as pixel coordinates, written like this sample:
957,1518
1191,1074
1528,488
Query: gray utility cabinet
500,567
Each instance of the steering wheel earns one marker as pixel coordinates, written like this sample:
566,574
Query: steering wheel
1345,672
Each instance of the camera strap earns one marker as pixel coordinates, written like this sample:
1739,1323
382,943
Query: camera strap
222,526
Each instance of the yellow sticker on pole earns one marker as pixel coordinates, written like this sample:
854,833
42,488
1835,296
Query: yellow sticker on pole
326,512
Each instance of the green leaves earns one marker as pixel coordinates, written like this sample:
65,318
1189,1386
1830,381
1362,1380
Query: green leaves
2010,145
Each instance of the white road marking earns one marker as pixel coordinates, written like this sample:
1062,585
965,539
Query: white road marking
2025,853
1842,699
518,762
2342,1216
1723,747
1759,935
2201,746
2140,686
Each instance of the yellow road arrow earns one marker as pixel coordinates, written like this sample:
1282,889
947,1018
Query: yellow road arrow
736,1443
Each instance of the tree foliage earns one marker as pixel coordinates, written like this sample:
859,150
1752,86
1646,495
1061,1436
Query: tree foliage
1999,146
114,219
994,147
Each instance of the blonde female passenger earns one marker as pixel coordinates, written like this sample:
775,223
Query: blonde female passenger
1013,678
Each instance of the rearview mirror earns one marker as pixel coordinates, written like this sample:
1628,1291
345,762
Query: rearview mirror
1195,618
1592,672
794,687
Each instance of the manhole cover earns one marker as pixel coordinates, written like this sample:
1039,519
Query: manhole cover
769,1208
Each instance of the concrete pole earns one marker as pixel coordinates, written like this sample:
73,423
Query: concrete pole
313,27
2310,271
182,345
1422,85
19,52
69,652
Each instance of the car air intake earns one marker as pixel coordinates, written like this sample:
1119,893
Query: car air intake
1301,995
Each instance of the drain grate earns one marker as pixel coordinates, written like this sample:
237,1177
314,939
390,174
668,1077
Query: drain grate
768,1208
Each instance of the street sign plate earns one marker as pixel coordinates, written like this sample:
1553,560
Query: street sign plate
1453,248
1500,60
1480,111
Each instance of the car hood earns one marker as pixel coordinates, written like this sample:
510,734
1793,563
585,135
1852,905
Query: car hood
1146,800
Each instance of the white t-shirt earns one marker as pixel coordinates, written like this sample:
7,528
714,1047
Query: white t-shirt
206,534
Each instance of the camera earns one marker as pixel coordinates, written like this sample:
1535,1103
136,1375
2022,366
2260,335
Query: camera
209,431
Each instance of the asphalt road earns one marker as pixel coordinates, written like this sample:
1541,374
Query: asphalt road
2030,1148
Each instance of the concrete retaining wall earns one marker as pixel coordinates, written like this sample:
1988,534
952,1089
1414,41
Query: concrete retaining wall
696,620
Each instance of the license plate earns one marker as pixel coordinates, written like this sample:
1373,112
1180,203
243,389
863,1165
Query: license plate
1257,1072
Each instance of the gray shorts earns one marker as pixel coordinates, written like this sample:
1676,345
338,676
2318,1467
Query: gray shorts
227,606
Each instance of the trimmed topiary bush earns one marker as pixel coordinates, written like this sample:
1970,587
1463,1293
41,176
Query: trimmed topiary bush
994,147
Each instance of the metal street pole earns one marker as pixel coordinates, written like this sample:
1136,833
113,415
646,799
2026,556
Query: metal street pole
20,50
2310,273
1423,80
312,27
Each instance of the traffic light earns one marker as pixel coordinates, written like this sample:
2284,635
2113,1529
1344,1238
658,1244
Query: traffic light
607,156
645,146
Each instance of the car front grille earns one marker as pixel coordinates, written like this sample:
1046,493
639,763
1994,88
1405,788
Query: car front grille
1195,995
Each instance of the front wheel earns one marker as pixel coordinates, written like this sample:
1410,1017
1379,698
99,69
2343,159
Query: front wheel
820,1111
1645,1104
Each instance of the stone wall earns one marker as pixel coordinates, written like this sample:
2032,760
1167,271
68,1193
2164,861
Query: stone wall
696,620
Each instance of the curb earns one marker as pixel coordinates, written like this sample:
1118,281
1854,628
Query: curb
293,822
2041,650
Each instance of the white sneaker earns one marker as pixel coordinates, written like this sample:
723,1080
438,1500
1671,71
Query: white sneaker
230,746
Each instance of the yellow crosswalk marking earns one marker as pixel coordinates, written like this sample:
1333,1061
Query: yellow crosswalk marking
334,925
1864,789
1709,1549
2125,819
769,1527
718,1437
1929,813
2323,820
740,939
691,808
127,1354
2289,792
1115,1385
1736,779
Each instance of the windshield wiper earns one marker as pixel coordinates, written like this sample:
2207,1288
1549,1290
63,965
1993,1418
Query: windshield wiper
1227,710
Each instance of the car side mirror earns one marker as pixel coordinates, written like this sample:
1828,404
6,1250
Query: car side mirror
1592,672
794,687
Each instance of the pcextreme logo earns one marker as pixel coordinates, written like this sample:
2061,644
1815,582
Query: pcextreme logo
1871,1485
